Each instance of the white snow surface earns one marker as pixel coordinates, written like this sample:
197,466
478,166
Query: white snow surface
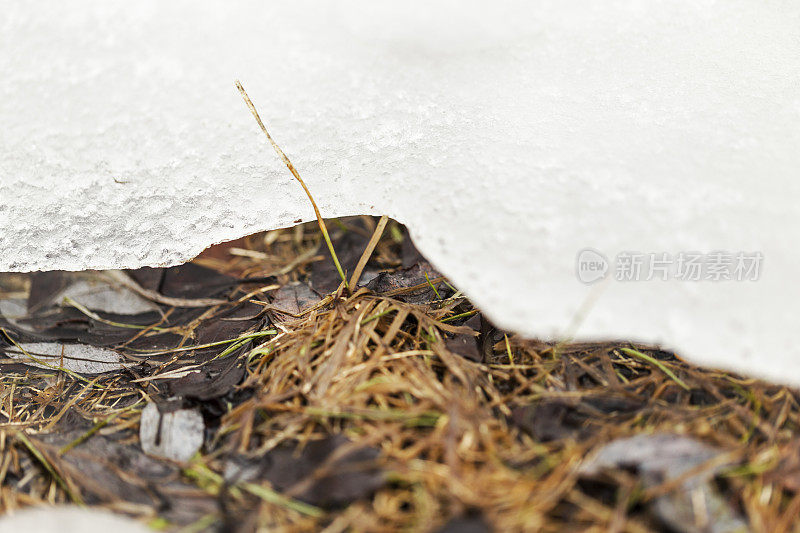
175,435
508,136
68,519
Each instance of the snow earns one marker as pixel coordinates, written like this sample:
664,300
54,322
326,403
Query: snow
68,519
508,138
175,435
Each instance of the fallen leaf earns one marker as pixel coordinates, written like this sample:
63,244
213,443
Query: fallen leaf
465,346
45,285
312,476
107,468
421,275
194,281
292,298
148,278
469,523
88,289
695,506
13,309
659,457
212,380
79,358
548,420
99,295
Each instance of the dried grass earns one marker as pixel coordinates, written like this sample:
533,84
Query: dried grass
378,370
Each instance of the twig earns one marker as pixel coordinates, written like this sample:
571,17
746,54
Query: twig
95,316
373,242
126,281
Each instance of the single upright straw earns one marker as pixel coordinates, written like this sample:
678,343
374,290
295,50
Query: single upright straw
294,172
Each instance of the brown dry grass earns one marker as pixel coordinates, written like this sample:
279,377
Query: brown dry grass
377,370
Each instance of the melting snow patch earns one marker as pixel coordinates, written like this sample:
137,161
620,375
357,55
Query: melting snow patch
620,170
175,435
66,519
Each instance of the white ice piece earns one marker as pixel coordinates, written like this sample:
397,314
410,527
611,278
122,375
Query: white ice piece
175,435
510,137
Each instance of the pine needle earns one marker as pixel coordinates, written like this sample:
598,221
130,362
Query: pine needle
655,362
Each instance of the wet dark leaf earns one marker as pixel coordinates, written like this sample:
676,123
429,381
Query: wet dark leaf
421,275
292,299
194,281
349,246
92,290
101,464
111,468
311,476
409,253
548,420
213,380
44,287
469,523
147,277
465,346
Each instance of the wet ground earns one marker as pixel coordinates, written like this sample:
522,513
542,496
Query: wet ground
251,389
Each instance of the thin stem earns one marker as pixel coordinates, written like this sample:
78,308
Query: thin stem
294,172
657,363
